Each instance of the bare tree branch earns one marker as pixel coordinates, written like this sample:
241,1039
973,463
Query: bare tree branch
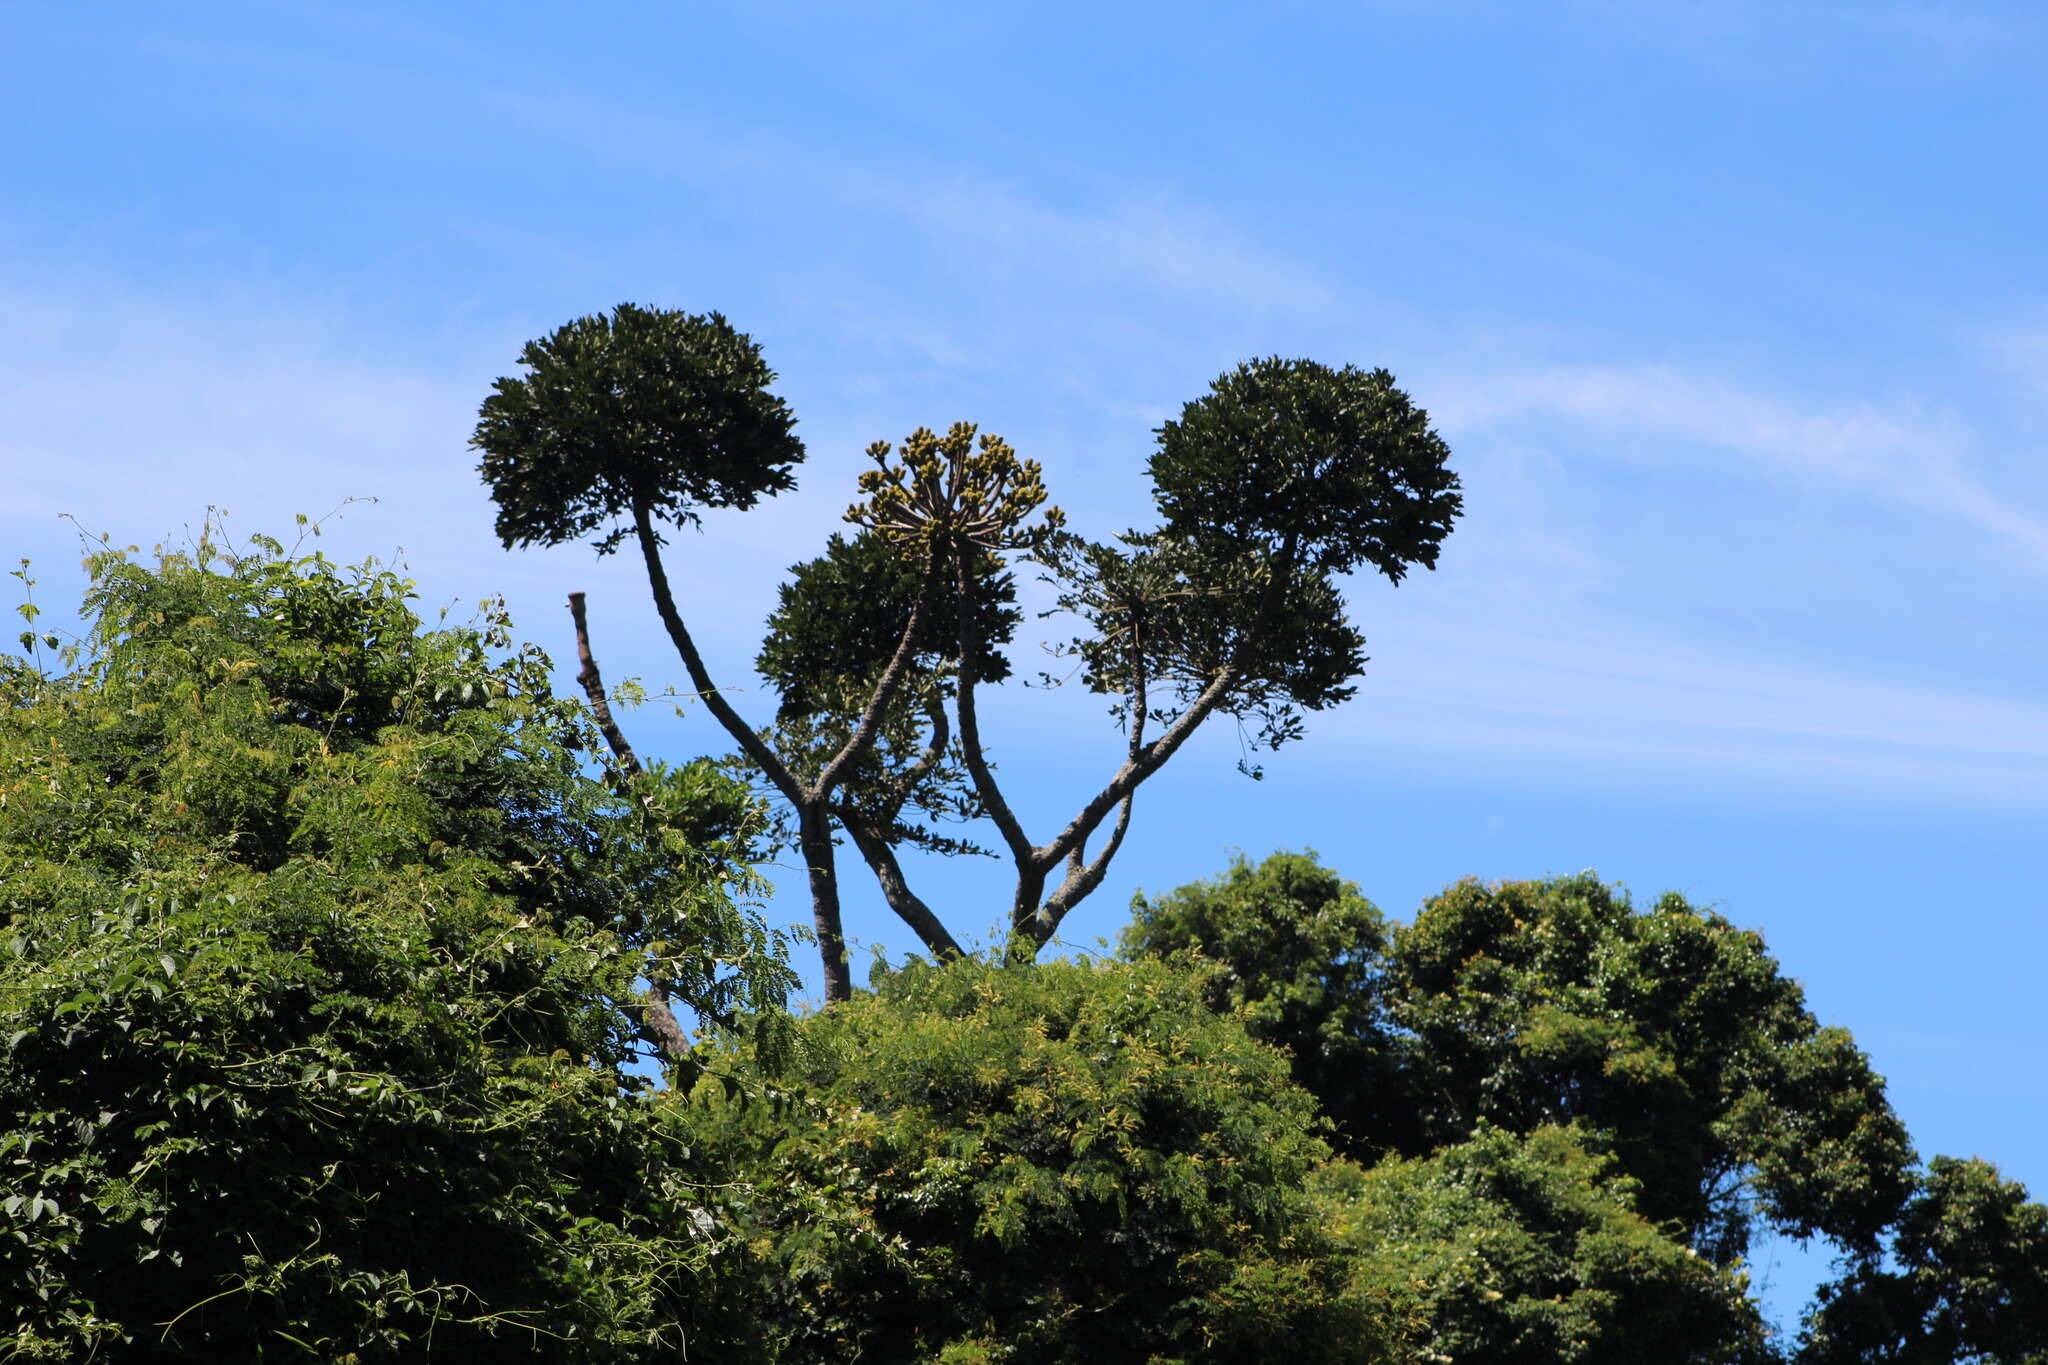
655,1021
593,688
934,750
814,833
985,787
1149,759
1081,879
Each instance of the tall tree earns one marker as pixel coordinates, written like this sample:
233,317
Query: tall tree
1286,476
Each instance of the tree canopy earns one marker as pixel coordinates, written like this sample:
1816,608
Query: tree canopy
336,948
642,414
362,998
1670,1034
1060,1162
1531,1249
1555,1099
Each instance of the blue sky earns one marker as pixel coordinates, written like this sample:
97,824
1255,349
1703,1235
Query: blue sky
1734,315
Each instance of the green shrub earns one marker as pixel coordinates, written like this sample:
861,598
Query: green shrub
316,941
1051,1163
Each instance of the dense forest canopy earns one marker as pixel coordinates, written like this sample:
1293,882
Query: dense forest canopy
363,998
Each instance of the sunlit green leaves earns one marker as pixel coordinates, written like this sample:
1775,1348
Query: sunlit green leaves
1066,1162
1528,1249
320,952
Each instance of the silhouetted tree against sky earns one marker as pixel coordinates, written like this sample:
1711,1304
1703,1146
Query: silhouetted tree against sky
1284,477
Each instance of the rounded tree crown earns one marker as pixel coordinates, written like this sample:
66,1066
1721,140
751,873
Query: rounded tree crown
1333,467
647,408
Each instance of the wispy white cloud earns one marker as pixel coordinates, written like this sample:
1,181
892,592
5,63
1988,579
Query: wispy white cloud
1614,701
1947,26
1141,239
1901,452
1175,249
122,404
136,408
1965,24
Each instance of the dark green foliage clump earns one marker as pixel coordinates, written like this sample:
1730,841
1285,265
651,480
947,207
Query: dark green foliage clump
1298,954
317,980
1570,1118
645,411
1051,1163
1528,1249
1967,1279
1672,1033
836,624
1296,461
840,617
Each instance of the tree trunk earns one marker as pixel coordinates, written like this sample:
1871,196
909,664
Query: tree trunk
815,838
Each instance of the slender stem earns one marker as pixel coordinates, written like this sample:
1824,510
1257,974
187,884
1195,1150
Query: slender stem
743,734
1151,757
1021,849
593,688
1081,879
1136,769
1083,874
881,857
885,689
813,820
654,1019
934,750
814,837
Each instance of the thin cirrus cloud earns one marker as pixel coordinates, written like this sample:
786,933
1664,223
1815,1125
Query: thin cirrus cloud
1896,454
1623,690
249,395
140,404
1609,701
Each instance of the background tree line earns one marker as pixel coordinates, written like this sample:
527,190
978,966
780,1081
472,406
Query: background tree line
336,948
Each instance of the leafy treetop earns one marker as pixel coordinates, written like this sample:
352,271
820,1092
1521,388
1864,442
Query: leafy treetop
1326,469
1670,1037
647,412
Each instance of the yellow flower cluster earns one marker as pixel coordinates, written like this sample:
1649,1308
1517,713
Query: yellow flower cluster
953,490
